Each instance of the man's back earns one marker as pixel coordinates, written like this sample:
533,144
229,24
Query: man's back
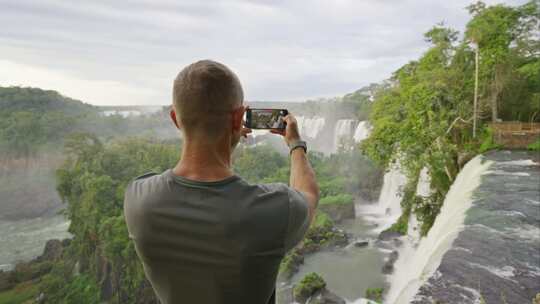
213,242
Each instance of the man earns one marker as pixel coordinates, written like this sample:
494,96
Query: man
203,234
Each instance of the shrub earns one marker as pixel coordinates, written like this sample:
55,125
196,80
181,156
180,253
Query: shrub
535,146
310,284
374,294
487,142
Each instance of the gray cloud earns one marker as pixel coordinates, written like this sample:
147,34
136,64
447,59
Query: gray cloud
282,50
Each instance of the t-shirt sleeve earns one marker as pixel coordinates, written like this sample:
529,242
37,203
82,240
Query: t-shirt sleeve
298,219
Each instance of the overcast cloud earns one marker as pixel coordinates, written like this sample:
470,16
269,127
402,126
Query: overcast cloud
128,52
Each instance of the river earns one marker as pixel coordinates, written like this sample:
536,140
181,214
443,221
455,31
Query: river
24,240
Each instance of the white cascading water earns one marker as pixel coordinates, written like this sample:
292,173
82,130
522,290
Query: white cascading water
343,129
423,189
416,265
362,131
311,127
388,209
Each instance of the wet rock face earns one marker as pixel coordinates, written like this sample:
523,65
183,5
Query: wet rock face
338,212
325,297
496,258
388,266
53,250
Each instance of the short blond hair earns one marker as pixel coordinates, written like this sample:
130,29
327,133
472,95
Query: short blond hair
204,95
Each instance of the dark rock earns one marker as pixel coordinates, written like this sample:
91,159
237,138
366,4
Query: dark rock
52,252
285,295
7,280
388,235
339,212
325,296
388,266
361,243
463,158
66,242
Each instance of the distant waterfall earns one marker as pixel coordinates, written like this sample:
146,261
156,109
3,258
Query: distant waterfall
362,131
343,129
310,127
415,265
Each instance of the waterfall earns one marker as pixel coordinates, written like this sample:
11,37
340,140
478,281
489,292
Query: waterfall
423,189
415,265
311,127
362,131
390,198
343,129
388,209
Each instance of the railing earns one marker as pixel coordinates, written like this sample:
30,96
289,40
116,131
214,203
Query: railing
515,126
515,135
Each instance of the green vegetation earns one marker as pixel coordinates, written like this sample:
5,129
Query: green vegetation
337,199
100,263
423,118
22,293
34,120
290,263
308,286
92,183
374,294
337,174
486,141
321,234
535,146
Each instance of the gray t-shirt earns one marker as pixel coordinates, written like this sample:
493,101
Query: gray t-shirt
212,242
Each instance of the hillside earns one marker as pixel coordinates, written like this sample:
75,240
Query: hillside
14,99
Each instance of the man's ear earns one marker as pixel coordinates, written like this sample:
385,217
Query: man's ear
238,117
172,113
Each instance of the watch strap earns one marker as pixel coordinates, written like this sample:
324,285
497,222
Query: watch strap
297,144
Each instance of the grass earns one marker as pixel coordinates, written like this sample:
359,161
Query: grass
342,199
23,293
535,146
322,220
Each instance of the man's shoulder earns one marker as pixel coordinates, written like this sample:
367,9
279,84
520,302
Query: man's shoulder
143,180
274,187
293,195
145,175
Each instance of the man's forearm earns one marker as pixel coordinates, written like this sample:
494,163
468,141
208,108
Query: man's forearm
303,179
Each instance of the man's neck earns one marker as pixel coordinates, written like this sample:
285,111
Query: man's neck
205,161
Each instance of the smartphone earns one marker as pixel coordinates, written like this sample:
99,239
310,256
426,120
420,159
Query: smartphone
266,118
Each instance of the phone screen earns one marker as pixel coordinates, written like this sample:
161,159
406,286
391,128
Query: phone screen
266,118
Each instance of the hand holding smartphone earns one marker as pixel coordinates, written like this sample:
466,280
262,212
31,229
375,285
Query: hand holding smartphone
266,118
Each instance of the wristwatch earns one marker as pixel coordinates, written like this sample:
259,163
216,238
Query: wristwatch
297,144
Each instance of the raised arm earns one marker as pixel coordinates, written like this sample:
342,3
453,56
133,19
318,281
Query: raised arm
302,175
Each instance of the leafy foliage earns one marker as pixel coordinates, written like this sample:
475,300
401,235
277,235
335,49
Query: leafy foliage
310,284
92,182
34,120
535,146
423,118
375,294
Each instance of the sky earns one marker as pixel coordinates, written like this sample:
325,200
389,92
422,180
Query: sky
108,52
